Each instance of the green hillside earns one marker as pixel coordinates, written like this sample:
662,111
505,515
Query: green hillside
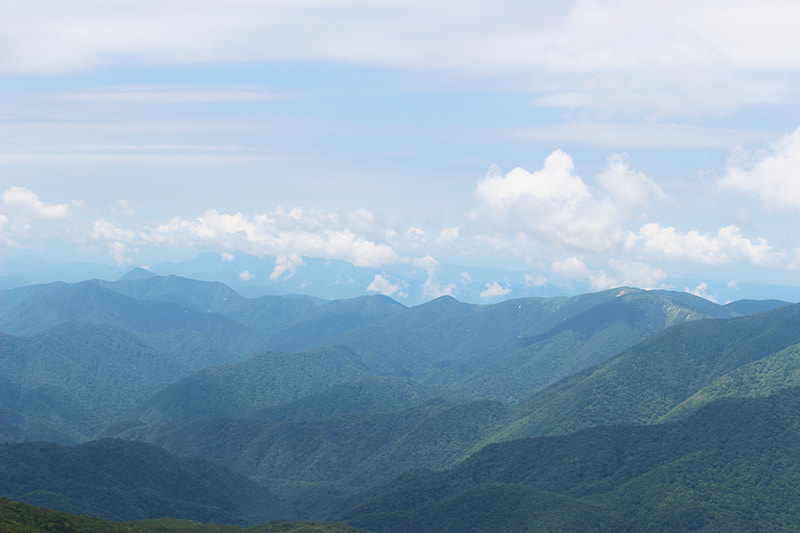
126,480
262,380
647,381
18,517
69,382
733,466
376,394
509,350
317,465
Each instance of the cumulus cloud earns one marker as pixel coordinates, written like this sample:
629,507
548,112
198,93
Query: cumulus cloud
245,275
555,205
295,233
574,268
382,285
702,291
286,264
618,273
27,203
116,238
773,175
494,290
432,288
535,281
638,274
727,246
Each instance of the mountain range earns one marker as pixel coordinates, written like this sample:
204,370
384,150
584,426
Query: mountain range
321,403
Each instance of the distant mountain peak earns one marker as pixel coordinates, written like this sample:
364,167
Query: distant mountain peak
138,273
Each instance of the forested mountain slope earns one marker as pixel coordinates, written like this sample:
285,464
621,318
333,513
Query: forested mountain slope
241,389
18,517
69,382
656,378
126,480
647,381
287,324
509,350
733,466
192,338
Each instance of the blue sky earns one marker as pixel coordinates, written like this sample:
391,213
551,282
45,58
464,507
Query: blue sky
600,143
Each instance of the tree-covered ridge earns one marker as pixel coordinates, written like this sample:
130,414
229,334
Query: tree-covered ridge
317,465
127,480
732,466
91,353
647,381
262,380
69,382
509,350
18,517
287,324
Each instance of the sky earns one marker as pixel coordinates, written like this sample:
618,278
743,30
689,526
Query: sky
580,143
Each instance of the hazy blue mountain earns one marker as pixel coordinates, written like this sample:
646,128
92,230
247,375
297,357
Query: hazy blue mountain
262,380
137,273
193,339
509,350
75,378
12,282
126,480
286,323
751,307
733,466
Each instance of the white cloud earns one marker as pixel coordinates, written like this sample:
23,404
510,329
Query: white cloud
638,274
702,291
494,290
555,205
382,285
619,52
727,246
574,268
628,187
286,264
417,234
245,275
27,203
111,231
535,281
773,176
311,233
227,257
432,288
116,238
450,234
